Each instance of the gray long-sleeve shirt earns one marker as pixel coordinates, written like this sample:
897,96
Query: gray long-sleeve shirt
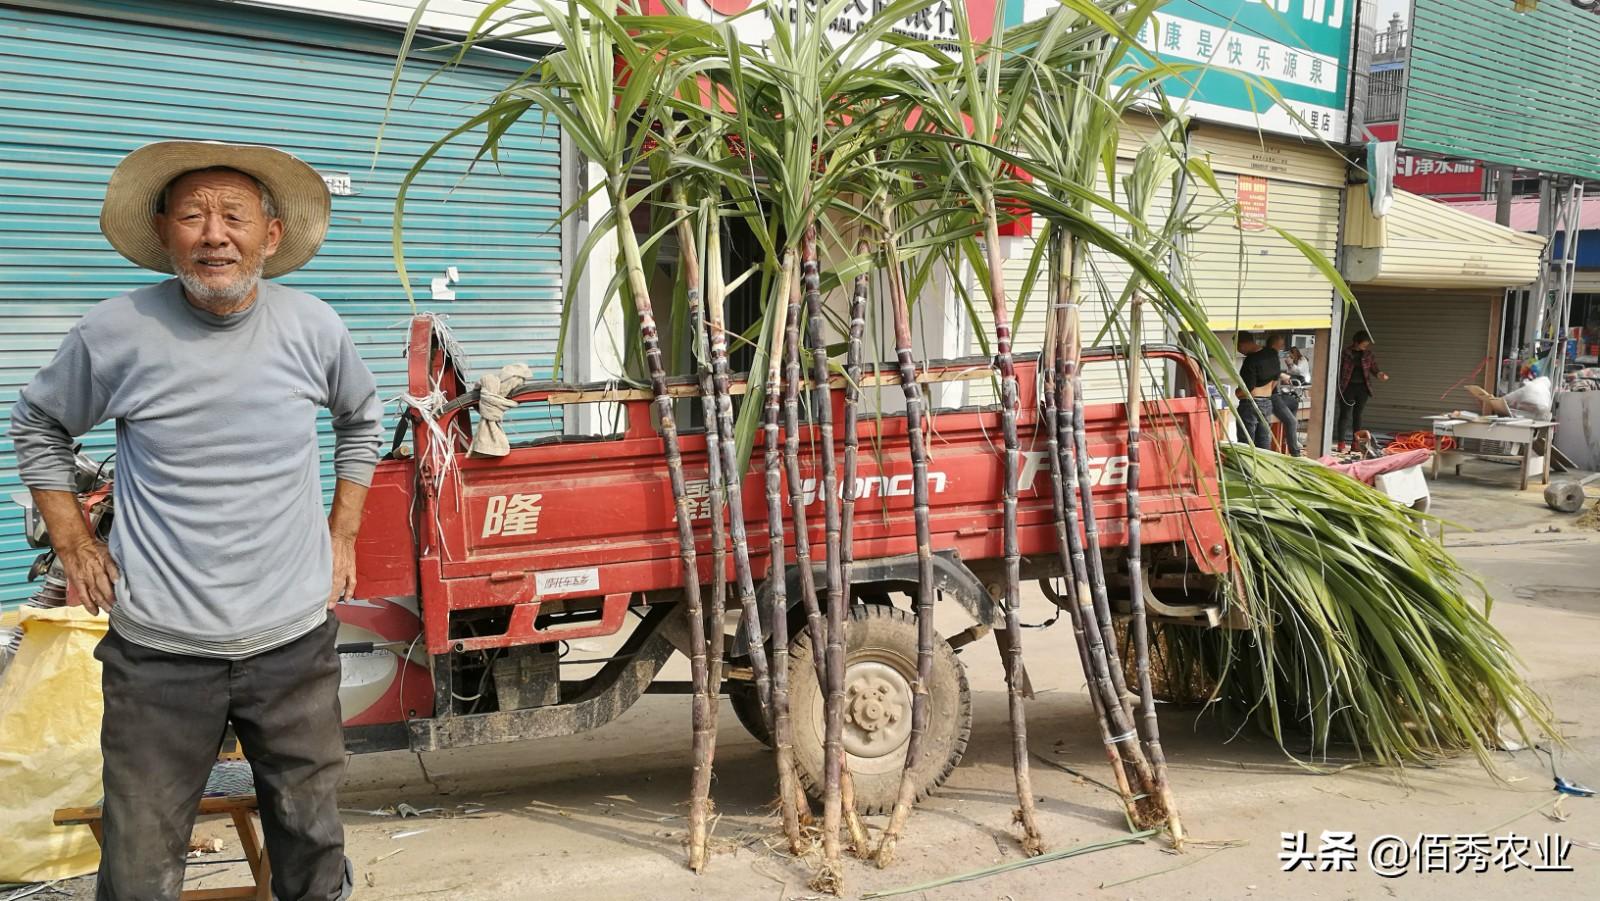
220,535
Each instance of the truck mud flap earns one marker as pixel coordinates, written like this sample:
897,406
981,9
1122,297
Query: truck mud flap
610,692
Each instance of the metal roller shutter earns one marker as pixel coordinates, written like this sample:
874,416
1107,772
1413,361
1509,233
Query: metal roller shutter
1431,345
84,88
1257,280
1252,280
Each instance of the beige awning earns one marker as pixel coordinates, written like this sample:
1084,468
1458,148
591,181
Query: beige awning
1423,243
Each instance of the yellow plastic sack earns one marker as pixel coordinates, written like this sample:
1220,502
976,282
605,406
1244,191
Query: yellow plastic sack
50,708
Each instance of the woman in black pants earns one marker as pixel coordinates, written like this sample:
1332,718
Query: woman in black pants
1358,370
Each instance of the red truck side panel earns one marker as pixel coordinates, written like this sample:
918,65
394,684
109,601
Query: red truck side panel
386,552
593,520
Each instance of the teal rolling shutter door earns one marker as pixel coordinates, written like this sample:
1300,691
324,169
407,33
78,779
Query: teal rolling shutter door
81,91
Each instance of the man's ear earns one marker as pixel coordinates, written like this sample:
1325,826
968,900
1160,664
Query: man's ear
274,237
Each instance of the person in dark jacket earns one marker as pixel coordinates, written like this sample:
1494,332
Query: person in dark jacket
1358,372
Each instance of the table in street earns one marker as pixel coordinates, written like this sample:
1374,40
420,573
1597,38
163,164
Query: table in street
1519,431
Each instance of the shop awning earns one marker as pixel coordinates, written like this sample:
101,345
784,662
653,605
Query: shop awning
1426,244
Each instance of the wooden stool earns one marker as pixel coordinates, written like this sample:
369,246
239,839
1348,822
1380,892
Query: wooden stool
242,808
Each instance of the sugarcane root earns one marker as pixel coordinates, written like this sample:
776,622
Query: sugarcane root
1032,842
698,835
829,879
859,842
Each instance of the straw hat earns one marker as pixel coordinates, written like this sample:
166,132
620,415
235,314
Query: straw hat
135,189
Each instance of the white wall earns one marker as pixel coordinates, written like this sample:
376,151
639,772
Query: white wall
455,16
595,333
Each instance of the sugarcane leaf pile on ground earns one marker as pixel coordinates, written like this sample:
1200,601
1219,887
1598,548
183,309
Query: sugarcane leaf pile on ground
1366,637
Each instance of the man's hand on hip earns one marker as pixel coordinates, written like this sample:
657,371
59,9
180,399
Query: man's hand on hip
92,572
344,569
344,523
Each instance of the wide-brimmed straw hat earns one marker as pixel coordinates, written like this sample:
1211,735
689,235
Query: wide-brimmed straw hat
127,218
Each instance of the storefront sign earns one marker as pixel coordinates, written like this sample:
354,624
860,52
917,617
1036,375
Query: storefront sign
1252,198
1506,88
1301,47
1427,176
935,22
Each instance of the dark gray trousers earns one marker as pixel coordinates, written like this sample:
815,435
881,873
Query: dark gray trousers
1253,416
165,715
1286,406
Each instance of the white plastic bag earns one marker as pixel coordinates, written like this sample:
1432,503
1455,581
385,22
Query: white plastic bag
1534,398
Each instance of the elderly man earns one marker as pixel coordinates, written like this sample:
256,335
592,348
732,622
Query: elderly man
222,573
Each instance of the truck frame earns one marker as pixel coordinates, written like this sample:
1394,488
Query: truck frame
472,572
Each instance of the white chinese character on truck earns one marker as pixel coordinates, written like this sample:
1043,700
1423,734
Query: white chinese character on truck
508,515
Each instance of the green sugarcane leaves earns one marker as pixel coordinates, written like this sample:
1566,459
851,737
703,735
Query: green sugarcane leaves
1366,637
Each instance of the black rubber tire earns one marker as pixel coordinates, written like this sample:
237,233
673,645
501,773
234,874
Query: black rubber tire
747,707
888,636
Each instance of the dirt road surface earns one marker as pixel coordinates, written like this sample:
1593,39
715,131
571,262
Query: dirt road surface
600,816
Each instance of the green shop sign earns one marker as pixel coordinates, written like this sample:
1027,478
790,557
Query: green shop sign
1300,47
1512,89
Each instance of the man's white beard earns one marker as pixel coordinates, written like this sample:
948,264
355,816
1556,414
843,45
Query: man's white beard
218,300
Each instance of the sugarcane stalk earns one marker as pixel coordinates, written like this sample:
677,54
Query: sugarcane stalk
1091,530
702,739
1139,627
693,271
816,628
1073,452
907,362
1069,542
772,687
1032,840
828,487
777,574
852,449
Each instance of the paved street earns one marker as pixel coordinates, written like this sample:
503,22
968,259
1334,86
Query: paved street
601,815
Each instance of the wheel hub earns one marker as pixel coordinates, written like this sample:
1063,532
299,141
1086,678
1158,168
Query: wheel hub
877,709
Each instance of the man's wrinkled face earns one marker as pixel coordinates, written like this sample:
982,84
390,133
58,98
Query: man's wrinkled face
218,235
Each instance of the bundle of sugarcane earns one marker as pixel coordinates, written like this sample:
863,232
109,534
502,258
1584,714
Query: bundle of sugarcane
1364,632
816,141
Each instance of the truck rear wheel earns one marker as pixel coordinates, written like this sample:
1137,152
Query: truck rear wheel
880,665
